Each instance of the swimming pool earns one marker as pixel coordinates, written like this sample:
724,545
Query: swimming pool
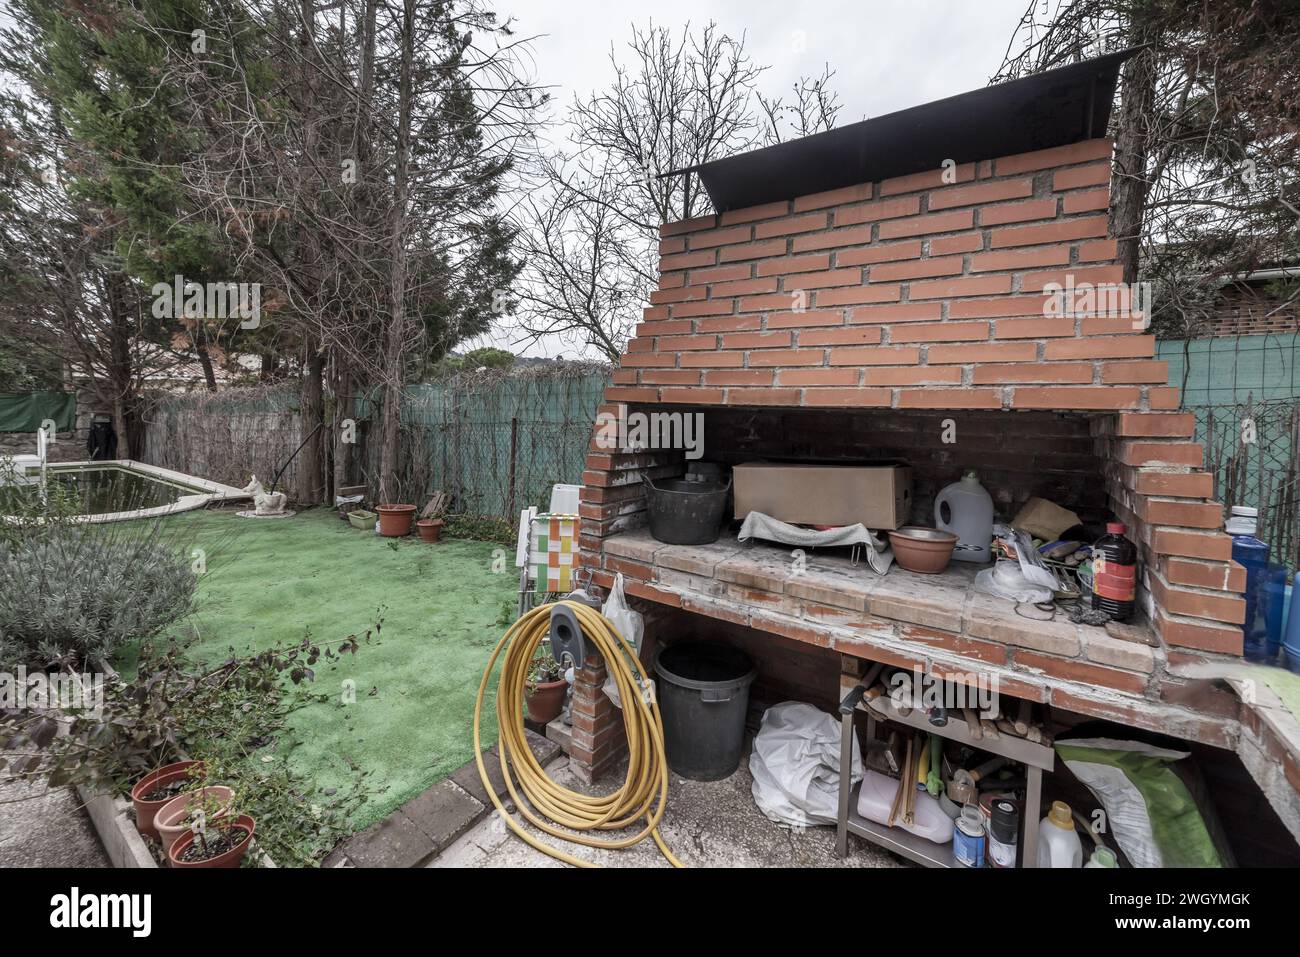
117,490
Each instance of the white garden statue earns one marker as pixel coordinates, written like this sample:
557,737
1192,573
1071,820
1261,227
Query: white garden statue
264,502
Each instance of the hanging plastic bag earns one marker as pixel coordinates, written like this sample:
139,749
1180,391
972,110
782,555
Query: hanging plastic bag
630,624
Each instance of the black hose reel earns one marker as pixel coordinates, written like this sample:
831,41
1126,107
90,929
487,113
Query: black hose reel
566,636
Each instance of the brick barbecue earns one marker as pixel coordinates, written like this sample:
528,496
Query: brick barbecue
859,322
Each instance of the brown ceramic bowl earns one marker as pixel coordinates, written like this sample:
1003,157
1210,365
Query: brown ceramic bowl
924,550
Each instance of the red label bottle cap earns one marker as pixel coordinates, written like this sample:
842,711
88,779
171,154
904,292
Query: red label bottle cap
1116,528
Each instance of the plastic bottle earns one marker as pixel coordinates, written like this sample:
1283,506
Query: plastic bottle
1058,844
969,510
1252,554
1272,606
1291,640
1114,573
1102,857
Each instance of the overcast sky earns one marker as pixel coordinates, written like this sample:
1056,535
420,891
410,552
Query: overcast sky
887,55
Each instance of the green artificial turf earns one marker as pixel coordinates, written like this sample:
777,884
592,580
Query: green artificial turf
268,582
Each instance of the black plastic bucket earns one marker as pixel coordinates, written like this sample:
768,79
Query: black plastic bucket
683,512
703,696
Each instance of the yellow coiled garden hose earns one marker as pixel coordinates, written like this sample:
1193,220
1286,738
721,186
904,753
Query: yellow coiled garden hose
550,807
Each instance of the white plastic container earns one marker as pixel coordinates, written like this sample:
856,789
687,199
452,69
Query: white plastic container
1058,843
966,509
564,499
877,796
1243,521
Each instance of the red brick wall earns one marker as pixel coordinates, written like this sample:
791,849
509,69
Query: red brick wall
1251,311
908,293
1156,486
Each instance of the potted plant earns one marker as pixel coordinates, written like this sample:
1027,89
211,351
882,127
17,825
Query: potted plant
395,520
216,837
429,528
179,814
159,787
544,692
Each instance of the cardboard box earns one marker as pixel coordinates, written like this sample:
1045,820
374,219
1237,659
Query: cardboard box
879,495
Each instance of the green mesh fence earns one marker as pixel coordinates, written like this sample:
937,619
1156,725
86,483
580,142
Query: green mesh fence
495,443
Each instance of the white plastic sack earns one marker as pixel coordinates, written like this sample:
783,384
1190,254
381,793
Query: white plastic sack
630,624
796,765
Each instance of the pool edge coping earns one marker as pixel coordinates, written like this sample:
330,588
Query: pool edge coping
205,492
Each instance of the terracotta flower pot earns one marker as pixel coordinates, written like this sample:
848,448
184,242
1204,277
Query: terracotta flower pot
230,858
546,701
429,528
145,809
395,520
170,821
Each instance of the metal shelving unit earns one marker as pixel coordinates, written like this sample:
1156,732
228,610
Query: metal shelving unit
1037,758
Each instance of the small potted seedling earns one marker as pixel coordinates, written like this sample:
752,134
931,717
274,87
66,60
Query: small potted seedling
179,814
218,836
544,693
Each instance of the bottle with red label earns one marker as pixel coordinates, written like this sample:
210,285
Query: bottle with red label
1114,573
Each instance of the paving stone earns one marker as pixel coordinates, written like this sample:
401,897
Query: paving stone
442,813
396,841
638,545
544,749
467,777
1139,634
826,584
697,559
762,568
931,600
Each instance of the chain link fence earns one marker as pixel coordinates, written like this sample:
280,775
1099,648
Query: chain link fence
1251,449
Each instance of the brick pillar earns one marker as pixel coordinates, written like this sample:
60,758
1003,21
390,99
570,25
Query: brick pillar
1158,486
597,742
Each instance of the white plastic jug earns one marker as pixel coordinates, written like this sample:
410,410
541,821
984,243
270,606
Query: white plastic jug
1058,843
969,511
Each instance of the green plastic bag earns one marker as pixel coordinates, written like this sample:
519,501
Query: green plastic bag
1149,810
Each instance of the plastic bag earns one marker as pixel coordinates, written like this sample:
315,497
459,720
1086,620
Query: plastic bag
796,765
1148,808
1005,580
630,624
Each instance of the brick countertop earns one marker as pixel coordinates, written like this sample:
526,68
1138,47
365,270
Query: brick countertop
939,623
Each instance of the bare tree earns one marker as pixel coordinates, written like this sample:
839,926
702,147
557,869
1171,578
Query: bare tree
813,110
591,230
1207,169
370,195
587,269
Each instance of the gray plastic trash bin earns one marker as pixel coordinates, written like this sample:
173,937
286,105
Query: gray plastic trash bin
703,696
